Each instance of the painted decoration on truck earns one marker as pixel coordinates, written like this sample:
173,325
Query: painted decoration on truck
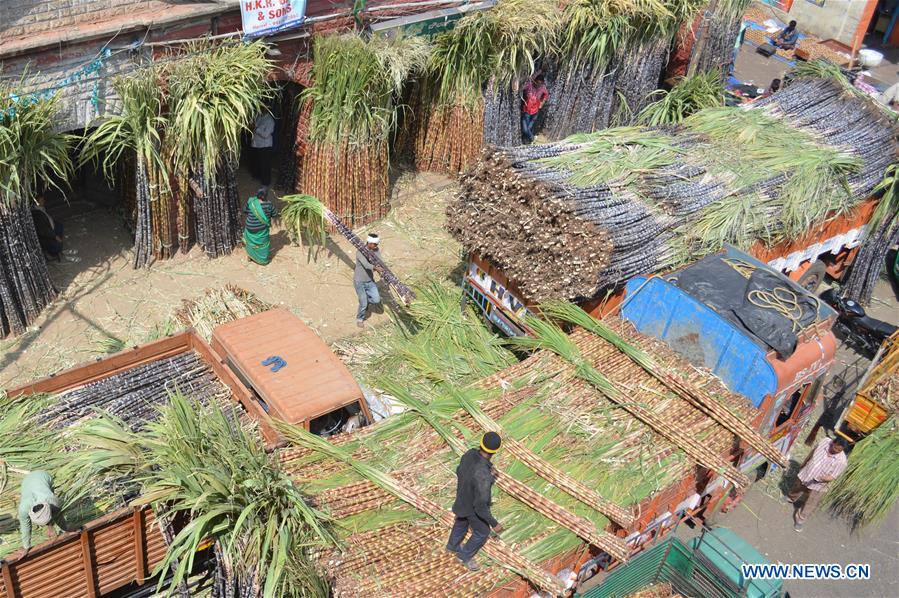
495,291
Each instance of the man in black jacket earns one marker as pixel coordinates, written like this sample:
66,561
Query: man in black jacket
472,505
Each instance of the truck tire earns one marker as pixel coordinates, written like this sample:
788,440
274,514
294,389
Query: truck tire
813,277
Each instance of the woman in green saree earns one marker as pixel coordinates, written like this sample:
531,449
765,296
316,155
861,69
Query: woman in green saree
259,212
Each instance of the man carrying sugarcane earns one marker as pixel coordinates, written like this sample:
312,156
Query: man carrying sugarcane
822,466
364,280
38,505
472,506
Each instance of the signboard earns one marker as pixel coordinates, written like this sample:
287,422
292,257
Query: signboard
263,17
428,23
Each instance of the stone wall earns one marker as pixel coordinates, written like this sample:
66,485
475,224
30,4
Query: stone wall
25,17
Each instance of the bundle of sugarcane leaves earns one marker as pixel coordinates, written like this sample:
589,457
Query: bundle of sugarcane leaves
642,199
201,462
868,489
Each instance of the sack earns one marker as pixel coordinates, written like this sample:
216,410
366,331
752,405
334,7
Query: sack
766,50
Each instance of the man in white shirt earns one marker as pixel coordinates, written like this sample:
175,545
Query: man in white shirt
822,466
261,148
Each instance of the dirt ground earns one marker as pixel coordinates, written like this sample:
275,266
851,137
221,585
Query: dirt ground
103,296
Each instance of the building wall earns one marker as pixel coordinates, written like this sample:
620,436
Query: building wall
24,17
837,19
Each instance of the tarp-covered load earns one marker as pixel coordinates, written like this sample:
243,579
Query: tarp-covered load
567,219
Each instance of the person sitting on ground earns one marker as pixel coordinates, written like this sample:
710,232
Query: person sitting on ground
775,85
474,481
259,212
787,37
534,96
38,505
49,231
364,280
822,466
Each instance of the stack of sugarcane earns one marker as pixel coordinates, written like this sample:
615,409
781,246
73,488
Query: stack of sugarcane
389,483
181,124
353,113
214,479
525,33
215,93
716,36
134,396
526,230
882,233
218,306
663,196
135,137
611,56
32,153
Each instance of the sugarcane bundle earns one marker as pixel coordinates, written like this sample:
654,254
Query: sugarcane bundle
525,34
610,58
444,126
494,547
442,137
352,115
198,462
32,153
734,423
716,38
867,491
882,233
548,336
529,224
690,94
214,94
136,136
306,220
135,395
218,306
667,195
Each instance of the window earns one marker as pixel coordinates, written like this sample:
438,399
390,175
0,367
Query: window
789,406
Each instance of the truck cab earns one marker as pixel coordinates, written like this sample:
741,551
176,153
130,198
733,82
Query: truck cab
291,372
762,334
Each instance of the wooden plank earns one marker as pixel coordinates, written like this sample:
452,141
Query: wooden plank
7,581
140,555
89,573
90,372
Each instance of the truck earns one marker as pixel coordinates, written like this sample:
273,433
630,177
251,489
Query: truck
774,392
708,565
270,363
783,389
826,249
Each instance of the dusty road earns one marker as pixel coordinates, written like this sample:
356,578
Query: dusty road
102,295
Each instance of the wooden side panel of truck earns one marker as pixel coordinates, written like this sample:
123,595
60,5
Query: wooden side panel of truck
107,554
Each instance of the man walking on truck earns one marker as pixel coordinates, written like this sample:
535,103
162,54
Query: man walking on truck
822,466
39,505
472,506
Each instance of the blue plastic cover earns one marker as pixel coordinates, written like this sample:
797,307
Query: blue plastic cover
661,310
